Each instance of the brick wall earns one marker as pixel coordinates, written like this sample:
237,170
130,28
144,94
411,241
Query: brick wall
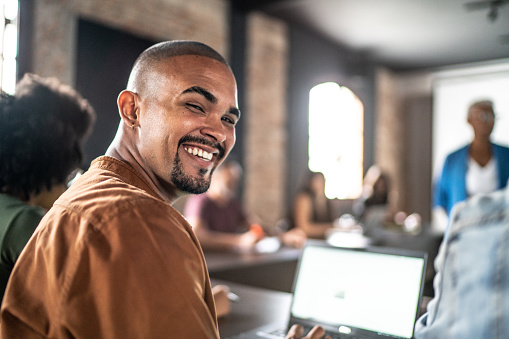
389,138
266,136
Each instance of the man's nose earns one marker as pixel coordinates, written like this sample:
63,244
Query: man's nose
214,128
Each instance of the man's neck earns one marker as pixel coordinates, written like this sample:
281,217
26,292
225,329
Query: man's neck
168,195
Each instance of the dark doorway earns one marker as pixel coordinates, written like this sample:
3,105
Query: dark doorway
104,60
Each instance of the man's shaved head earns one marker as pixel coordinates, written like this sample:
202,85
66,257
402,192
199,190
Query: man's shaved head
146,62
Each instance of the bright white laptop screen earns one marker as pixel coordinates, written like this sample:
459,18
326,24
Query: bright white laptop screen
371,291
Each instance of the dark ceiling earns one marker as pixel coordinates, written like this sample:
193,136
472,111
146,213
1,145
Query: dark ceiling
403,34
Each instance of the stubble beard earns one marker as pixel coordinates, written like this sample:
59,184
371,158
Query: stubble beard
187,183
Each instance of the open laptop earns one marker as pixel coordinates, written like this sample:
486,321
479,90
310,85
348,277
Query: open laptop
354,293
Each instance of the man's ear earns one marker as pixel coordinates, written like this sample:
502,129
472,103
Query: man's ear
128,108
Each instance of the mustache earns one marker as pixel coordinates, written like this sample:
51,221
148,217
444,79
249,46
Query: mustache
204,141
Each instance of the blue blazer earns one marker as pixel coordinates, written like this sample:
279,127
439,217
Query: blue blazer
451,187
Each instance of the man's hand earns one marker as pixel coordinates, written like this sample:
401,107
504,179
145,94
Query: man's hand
247,241
223,303
316,332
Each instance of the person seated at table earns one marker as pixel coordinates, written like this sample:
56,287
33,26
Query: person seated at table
312,211
219,219
42,130
472,282
375,192
374,207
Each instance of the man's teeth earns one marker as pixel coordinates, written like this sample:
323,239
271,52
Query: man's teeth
199,152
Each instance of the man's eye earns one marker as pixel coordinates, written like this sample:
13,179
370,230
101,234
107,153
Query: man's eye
230,121
194,107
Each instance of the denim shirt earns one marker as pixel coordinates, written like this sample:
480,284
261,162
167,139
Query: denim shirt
472,282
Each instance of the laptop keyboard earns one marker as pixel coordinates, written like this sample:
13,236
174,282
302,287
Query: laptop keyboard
281,333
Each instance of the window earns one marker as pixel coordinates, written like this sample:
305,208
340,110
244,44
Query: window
8,44
336,139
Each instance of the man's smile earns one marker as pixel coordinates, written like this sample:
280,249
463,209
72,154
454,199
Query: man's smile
202,148
199,152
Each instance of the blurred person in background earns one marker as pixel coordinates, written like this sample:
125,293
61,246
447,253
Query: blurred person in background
218,217
42,130
312,211
220,221
479,167
376,192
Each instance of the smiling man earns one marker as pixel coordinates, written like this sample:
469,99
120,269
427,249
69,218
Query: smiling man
113,258
178,128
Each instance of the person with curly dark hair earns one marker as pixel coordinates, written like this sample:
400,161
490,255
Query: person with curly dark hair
42,130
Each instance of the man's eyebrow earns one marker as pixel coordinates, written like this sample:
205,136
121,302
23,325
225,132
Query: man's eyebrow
210,97
202,91
235,111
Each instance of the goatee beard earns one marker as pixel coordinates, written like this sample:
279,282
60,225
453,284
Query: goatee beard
187,183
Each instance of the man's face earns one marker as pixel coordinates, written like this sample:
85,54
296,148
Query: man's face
188,113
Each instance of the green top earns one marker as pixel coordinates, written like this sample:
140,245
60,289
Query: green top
18,221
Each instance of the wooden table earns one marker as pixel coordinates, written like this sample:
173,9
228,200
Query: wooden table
255,307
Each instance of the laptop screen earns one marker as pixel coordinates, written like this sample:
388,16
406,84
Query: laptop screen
363,289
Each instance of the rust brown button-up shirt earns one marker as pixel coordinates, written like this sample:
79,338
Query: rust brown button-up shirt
111,259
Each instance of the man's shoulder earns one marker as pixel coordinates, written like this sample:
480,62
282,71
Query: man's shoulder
459,152
456,160
107,188
103,197
501,148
